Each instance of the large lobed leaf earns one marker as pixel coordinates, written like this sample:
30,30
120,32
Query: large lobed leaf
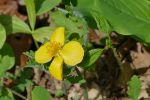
127,17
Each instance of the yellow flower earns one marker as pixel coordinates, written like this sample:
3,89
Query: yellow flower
71,53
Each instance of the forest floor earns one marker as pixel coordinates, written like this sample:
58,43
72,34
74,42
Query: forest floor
113,71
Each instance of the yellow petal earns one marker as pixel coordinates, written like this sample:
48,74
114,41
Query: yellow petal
72,53
58,35
56,68
42,55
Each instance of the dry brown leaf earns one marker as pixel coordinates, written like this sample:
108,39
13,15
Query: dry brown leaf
140,57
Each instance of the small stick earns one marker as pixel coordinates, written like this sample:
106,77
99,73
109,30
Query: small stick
18,94
78,72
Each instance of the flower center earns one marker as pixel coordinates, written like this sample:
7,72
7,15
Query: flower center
53,48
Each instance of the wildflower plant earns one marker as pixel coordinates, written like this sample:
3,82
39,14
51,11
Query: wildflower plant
56,50
75,17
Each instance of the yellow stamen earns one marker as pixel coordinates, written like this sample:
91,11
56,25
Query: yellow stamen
53,48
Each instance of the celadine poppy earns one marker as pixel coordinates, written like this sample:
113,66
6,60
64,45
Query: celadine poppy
70,53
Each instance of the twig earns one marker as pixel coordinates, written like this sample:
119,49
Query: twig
84,86
29,90
17,94
37,75
78,72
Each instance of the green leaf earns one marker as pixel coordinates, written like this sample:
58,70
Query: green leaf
91,57
6,94
75,97
30,6
70,2
91,12
19,26
91,6
75,79
40,93
46,5
59,93
31,62
134,87
127,17
42,33
7,59
72,24
101,22
2,36
23,80
20,87
66,2
13,24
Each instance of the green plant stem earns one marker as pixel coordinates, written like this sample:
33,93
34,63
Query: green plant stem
18,94
116,56
65,90
36,43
